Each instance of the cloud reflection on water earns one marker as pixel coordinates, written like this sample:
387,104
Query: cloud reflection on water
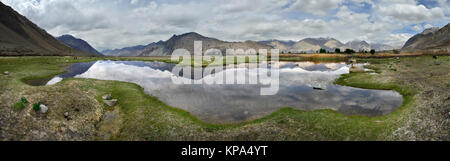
235,103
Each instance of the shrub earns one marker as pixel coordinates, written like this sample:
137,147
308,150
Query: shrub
19,105
24,100
337,50
396,52
322,50
349,51
372,51
36,106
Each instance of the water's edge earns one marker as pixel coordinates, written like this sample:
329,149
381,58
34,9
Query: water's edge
231,123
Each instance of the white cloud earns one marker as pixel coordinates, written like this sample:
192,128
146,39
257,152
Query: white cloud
428,26
316,7
397,40
411,12
417,28
445,5
134,1
120,23
62,14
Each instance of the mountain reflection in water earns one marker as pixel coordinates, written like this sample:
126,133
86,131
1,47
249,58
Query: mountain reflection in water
237,103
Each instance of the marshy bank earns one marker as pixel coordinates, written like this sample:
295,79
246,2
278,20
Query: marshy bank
144,117
233,103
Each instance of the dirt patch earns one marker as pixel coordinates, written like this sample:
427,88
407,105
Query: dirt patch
26,124
109,124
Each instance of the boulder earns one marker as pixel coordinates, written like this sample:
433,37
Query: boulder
5,72
107,97
43,109
319,86
110,103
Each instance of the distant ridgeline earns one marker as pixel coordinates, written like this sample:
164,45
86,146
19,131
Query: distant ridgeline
78,44
186,41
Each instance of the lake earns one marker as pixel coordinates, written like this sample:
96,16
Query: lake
221,103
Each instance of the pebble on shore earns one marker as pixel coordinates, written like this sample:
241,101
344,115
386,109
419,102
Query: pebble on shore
107,97
110,103
43,109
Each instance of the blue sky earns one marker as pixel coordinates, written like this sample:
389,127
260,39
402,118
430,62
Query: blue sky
109,24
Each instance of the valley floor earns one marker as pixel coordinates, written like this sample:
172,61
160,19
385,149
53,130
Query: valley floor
424,115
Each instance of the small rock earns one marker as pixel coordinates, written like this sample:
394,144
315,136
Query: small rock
66,114
43,109
318,88
355,68
110,103
245,112
437,63
107,97
6,73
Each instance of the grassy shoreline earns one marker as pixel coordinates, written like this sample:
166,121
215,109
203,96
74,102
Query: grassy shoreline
137,107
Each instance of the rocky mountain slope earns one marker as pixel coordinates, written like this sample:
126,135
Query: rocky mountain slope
358,45
311,45
20,36
78,44
430,39
125,51
382,47
184,41
278,44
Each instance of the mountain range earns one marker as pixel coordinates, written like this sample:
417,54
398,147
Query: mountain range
20,36
78,44
311,45
430,39
186,41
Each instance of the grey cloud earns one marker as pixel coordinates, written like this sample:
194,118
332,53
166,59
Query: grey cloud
61,14
316,7
120,23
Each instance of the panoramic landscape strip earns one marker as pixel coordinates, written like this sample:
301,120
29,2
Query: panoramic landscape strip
191,87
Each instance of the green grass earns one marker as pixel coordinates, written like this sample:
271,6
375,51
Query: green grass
147,118
330,124
19,105
36,106
23,100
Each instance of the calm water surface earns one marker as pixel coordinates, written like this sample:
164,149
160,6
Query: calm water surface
236,103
